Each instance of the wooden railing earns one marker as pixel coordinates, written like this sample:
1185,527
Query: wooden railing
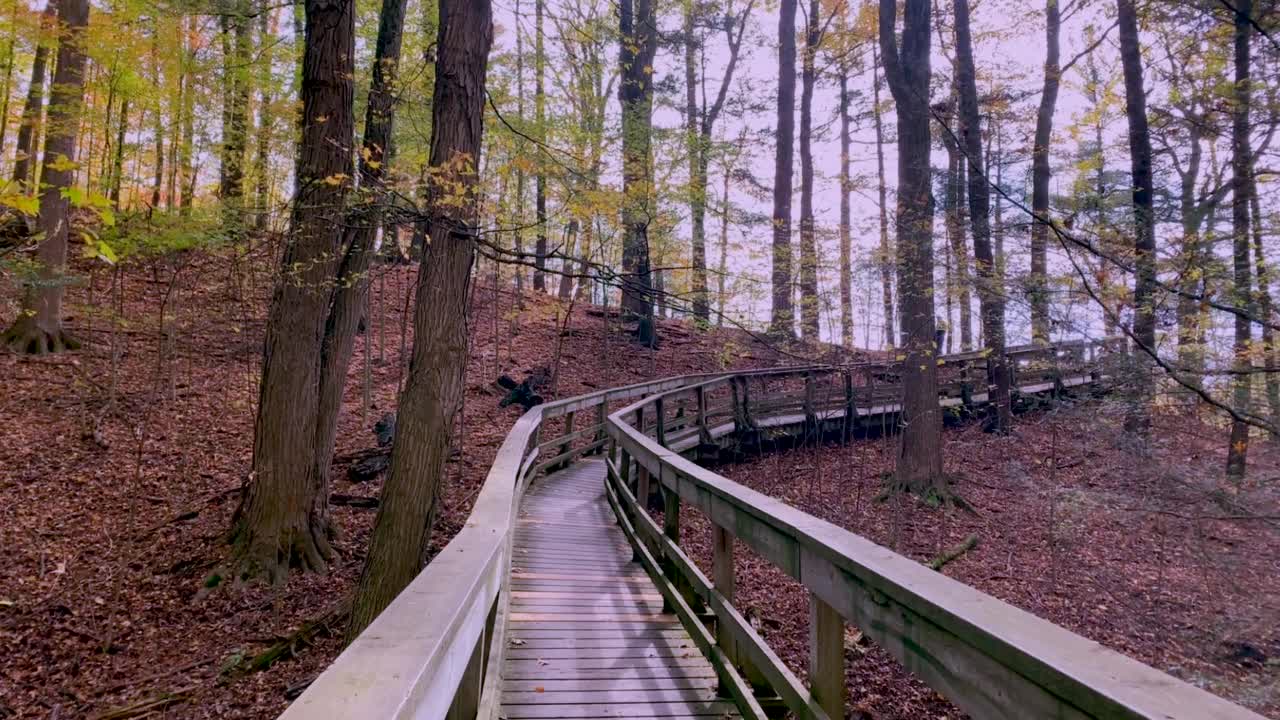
989,658
434,651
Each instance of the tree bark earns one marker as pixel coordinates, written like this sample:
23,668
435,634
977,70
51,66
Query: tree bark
919,465
266,121
283,517
235,133
846,217
38,327
351,292
434,389
1241,184
186,156
33,109
998,380
1266,309
886,249
1038,280
1138,419
809,310
116,179
782,322
953,216
638,47
540,118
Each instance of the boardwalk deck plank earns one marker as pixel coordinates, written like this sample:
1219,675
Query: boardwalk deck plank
586,634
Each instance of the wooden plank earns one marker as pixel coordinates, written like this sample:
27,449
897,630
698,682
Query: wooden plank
610,696
693,708
608,653
584,685
652,674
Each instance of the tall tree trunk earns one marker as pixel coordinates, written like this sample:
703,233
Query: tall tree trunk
38,327
235,133
697,171
886,250
846,217
351,292
520,176
953,215
998,379
809,309
1266,309
540,118
638,47
782,321
283,517
1144,244
186,154
919,466
1193,261
116,178
566,264
33,109
722,267
433,392
266,121
1241,184
7,85
1038,280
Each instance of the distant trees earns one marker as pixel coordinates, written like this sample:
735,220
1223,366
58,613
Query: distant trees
38,327
29,128
906,67
433,392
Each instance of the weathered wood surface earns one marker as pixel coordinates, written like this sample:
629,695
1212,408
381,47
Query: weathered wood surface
586,634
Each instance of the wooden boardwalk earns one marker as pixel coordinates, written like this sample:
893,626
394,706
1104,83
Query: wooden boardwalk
586,635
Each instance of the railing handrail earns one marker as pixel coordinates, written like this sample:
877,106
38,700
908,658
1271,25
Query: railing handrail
414,656
990,658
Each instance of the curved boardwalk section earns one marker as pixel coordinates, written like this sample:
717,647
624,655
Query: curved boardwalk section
563,597
586,633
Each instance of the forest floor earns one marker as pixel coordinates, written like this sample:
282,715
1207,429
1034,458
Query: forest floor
1148,552
121,465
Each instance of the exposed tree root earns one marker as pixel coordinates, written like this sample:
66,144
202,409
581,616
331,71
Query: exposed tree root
954,553
271,556
27,337
333,621
147,706
935,493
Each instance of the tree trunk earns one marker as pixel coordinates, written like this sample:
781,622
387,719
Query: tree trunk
433,392
846,217
998,379
639,44
186,156
116,179
1193,261
697,172
235,133
886,250
566,264
1144,244
1266,309
722,267
38,328
809,309
1038,280
540,119
953,215
919,466
1241,184
33,109
782,322
520,176
283,517
351,292
266,121
157,178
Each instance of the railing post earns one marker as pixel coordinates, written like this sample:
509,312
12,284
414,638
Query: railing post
602,416
704,433
568,442
466,703
810,412
826,656
660,420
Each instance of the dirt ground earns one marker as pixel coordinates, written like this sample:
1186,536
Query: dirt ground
117,485
1147,552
